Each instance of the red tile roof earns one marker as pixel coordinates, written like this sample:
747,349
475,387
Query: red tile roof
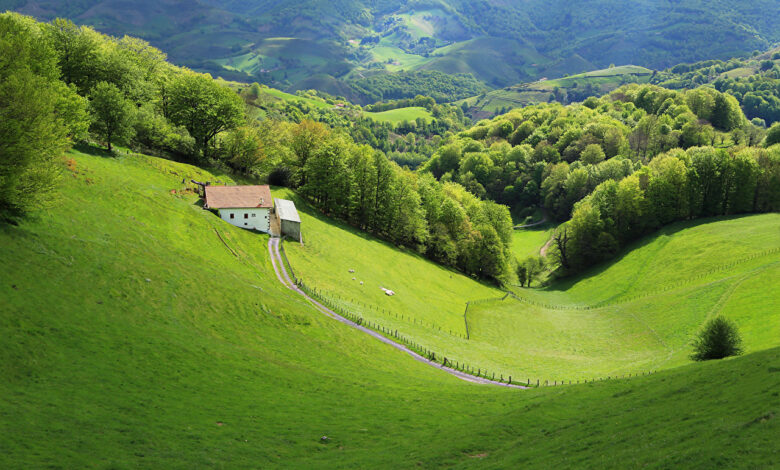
235,197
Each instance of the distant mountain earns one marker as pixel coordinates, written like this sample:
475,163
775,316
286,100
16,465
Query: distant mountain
286,43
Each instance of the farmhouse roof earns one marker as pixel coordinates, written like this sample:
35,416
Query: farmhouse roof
238,197
286,210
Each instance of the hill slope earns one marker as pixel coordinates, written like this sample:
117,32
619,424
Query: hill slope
140,331
564,90
635,314
501,43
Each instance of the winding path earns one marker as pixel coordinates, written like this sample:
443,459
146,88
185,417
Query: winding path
284,278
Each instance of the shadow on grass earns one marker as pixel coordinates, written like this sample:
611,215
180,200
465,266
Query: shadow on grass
93,149
566,283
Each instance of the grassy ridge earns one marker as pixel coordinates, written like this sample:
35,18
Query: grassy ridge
143,332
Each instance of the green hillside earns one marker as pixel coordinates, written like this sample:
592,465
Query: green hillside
140,331
284,43
635,314
565,90
396,116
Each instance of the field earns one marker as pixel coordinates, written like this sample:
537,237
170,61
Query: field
524,94
636,314
528,241
140,331
396,116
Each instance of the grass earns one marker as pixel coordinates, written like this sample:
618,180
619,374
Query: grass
529,241
136,337
332,249
396,116
604,80
636,314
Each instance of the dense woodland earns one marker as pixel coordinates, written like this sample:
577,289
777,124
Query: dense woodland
619,166
440,86
755,82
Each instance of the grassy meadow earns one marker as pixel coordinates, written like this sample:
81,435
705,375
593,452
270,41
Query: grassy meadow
529,241
636,314
140,331
396,116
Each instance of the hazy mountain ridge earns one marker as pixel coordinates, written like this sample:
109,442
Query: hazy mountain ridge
321,44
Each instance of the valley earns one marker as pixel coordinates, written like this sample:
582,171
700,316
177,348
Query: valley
389,235
123,339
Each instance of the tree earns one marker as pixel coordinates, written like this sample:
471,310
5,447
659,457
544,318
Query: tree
718,339
773,135
111,112
522,274
34,107
242,149
561,239
76,52
204,107
534,266
305,139
592,154
726,113
32,139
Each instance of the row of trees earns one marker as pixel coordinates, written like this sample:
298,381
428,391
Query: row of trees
362,187
678,185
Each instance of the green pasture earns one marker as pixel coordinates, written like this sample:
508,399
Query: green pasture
637,313
529,241
141,331
396,116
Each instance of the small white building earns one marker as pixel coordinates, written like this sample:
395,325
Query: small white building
243,206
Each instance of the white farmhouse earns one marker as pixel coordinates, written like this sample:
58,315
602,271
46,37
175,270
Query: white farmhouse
243,206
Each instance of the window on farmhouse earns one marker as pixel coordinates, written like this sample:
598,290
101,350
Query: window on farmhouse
246,216
232,215
254,215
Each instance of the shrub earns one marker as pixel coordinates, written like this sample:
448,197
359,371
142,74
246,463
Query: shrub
718,339
773,136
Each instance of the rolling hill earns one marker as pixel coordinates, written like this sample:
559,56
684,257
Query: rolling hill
141,331
500,43
565,90
636,314
161,338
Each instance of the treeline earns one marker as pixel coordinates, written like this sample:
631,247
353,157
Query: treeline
603,156
362,187
552,155
755,83
442,87
678,185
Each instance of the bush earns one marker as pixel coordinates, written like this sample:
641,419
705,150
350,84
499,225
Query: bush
717,340
773,136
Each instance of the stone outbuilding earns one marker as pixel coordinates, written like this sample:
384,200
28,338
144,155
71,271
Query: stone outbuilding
289,218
